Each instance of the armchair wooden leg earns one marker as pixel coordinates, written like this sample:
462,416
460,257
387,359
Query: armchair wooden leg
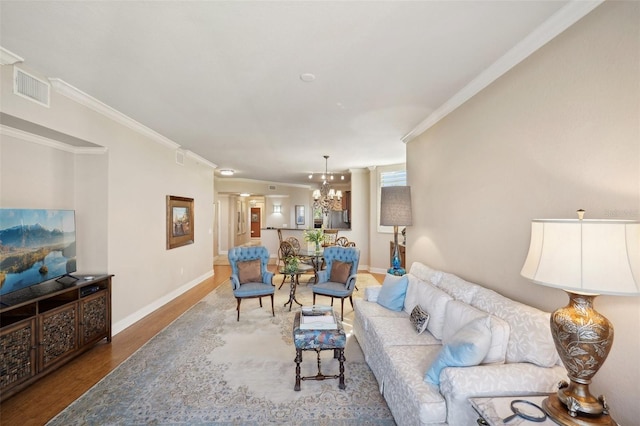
273,312
342,309
260,299
314,298
351,300
238,308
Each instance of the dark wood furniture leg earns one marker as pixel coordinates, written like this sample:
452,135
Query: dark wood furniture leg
298,360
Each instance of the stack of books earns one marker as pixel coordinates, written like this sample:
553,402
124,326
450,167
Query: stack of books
317,317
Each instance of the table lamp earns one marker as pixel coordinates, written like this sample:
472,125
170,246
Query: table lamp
395,210
585,258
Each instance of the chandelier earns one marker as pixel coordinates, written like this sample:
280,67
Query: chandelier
326,198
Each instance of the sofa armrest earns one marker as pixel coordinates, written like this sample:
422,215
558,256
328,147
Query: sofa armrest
371,293
458,384
500,380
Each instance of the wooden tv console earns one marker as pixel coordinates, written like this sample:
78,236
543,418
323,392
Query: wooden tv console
45,326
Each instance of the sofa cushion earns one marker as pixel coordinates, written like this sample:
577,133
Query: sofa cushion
385,332
425,273
412,400
458,314
419,319
367,310
393,291
458,288
432,300
530,337
467,347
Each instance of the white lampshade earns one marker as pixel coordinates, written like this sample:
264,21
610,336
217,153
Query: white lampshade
585,256
316,194
395,206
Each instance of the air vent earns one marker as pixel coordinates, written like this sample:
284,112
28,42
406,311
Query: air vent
30,87
180,157
272,188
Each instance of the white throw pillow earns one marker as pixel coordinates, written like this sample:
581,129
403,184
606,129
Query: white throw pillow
458,288
529,336
434,301
425,273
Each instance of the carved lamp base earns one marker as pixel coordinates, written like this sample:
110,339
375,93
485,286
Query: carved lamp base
558,412
583,339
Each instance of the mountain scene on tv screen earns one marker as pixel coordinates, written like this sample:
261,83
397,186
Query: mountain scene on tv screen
35,246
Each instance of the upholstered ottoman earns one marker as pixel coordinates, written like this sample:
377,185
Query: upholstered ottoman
319,340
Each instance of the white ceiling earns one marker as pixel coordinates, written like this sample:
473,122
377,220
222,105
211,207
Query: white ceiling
222,78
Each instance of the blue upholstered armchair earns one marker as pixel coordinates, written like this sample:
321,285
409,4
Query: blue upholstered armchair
339,278
249,275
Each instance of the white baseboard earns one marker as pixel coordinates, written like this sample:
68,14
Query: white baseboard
141,313
378,271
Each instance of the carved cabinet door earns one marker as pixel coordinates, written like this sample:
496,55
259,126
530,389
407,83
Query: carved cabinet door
58,334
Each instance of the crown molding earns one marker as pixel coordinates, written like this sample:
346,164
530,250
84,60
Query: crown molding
196,157
51,143
552,27
258,181
89,101
9,58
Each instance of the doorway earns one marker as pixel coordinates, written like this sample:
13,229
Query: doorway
255,222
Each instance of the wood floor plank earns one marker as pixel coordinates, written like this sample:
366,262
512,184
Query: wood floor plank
40,402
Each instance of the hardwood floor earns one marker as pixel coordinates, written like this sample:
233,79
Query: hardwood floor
41,401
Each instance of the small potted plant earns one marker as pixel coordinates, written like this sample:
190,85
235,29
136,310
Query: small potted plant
315,236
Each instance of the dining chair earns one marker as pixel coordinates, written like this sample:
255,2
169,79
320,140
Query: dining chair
249,275
339,279
307,260
342,242
330,237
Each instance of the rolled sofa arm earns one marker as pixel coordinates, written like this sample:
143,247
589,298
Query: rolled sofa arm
458,384
500,379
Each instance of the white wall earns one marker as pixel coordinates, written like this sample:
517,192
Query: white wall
557,133
119,198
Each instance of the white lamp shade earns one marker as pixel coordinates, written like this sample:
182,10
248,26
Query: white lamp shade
395,206
585,256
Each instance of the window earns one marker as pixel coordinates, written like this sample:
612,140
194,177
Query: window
389,176
395,178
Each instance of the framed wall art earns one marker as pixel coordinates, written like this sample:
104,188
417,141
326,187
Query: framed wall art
179,221
299,215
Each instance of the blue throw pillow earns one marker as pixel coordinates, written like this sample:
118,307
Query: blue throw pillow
392,293
467,347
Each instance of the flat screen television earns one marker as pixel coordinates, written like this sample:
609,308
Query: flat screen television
36,245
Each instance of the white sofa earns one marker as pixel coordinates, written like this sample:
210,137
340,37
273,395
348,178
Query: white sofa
521,359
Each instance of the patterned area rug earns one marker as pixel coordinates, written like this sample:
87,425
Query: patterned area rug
206,368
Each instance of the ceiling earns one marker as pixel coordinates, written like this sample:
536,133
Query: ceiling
223,79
